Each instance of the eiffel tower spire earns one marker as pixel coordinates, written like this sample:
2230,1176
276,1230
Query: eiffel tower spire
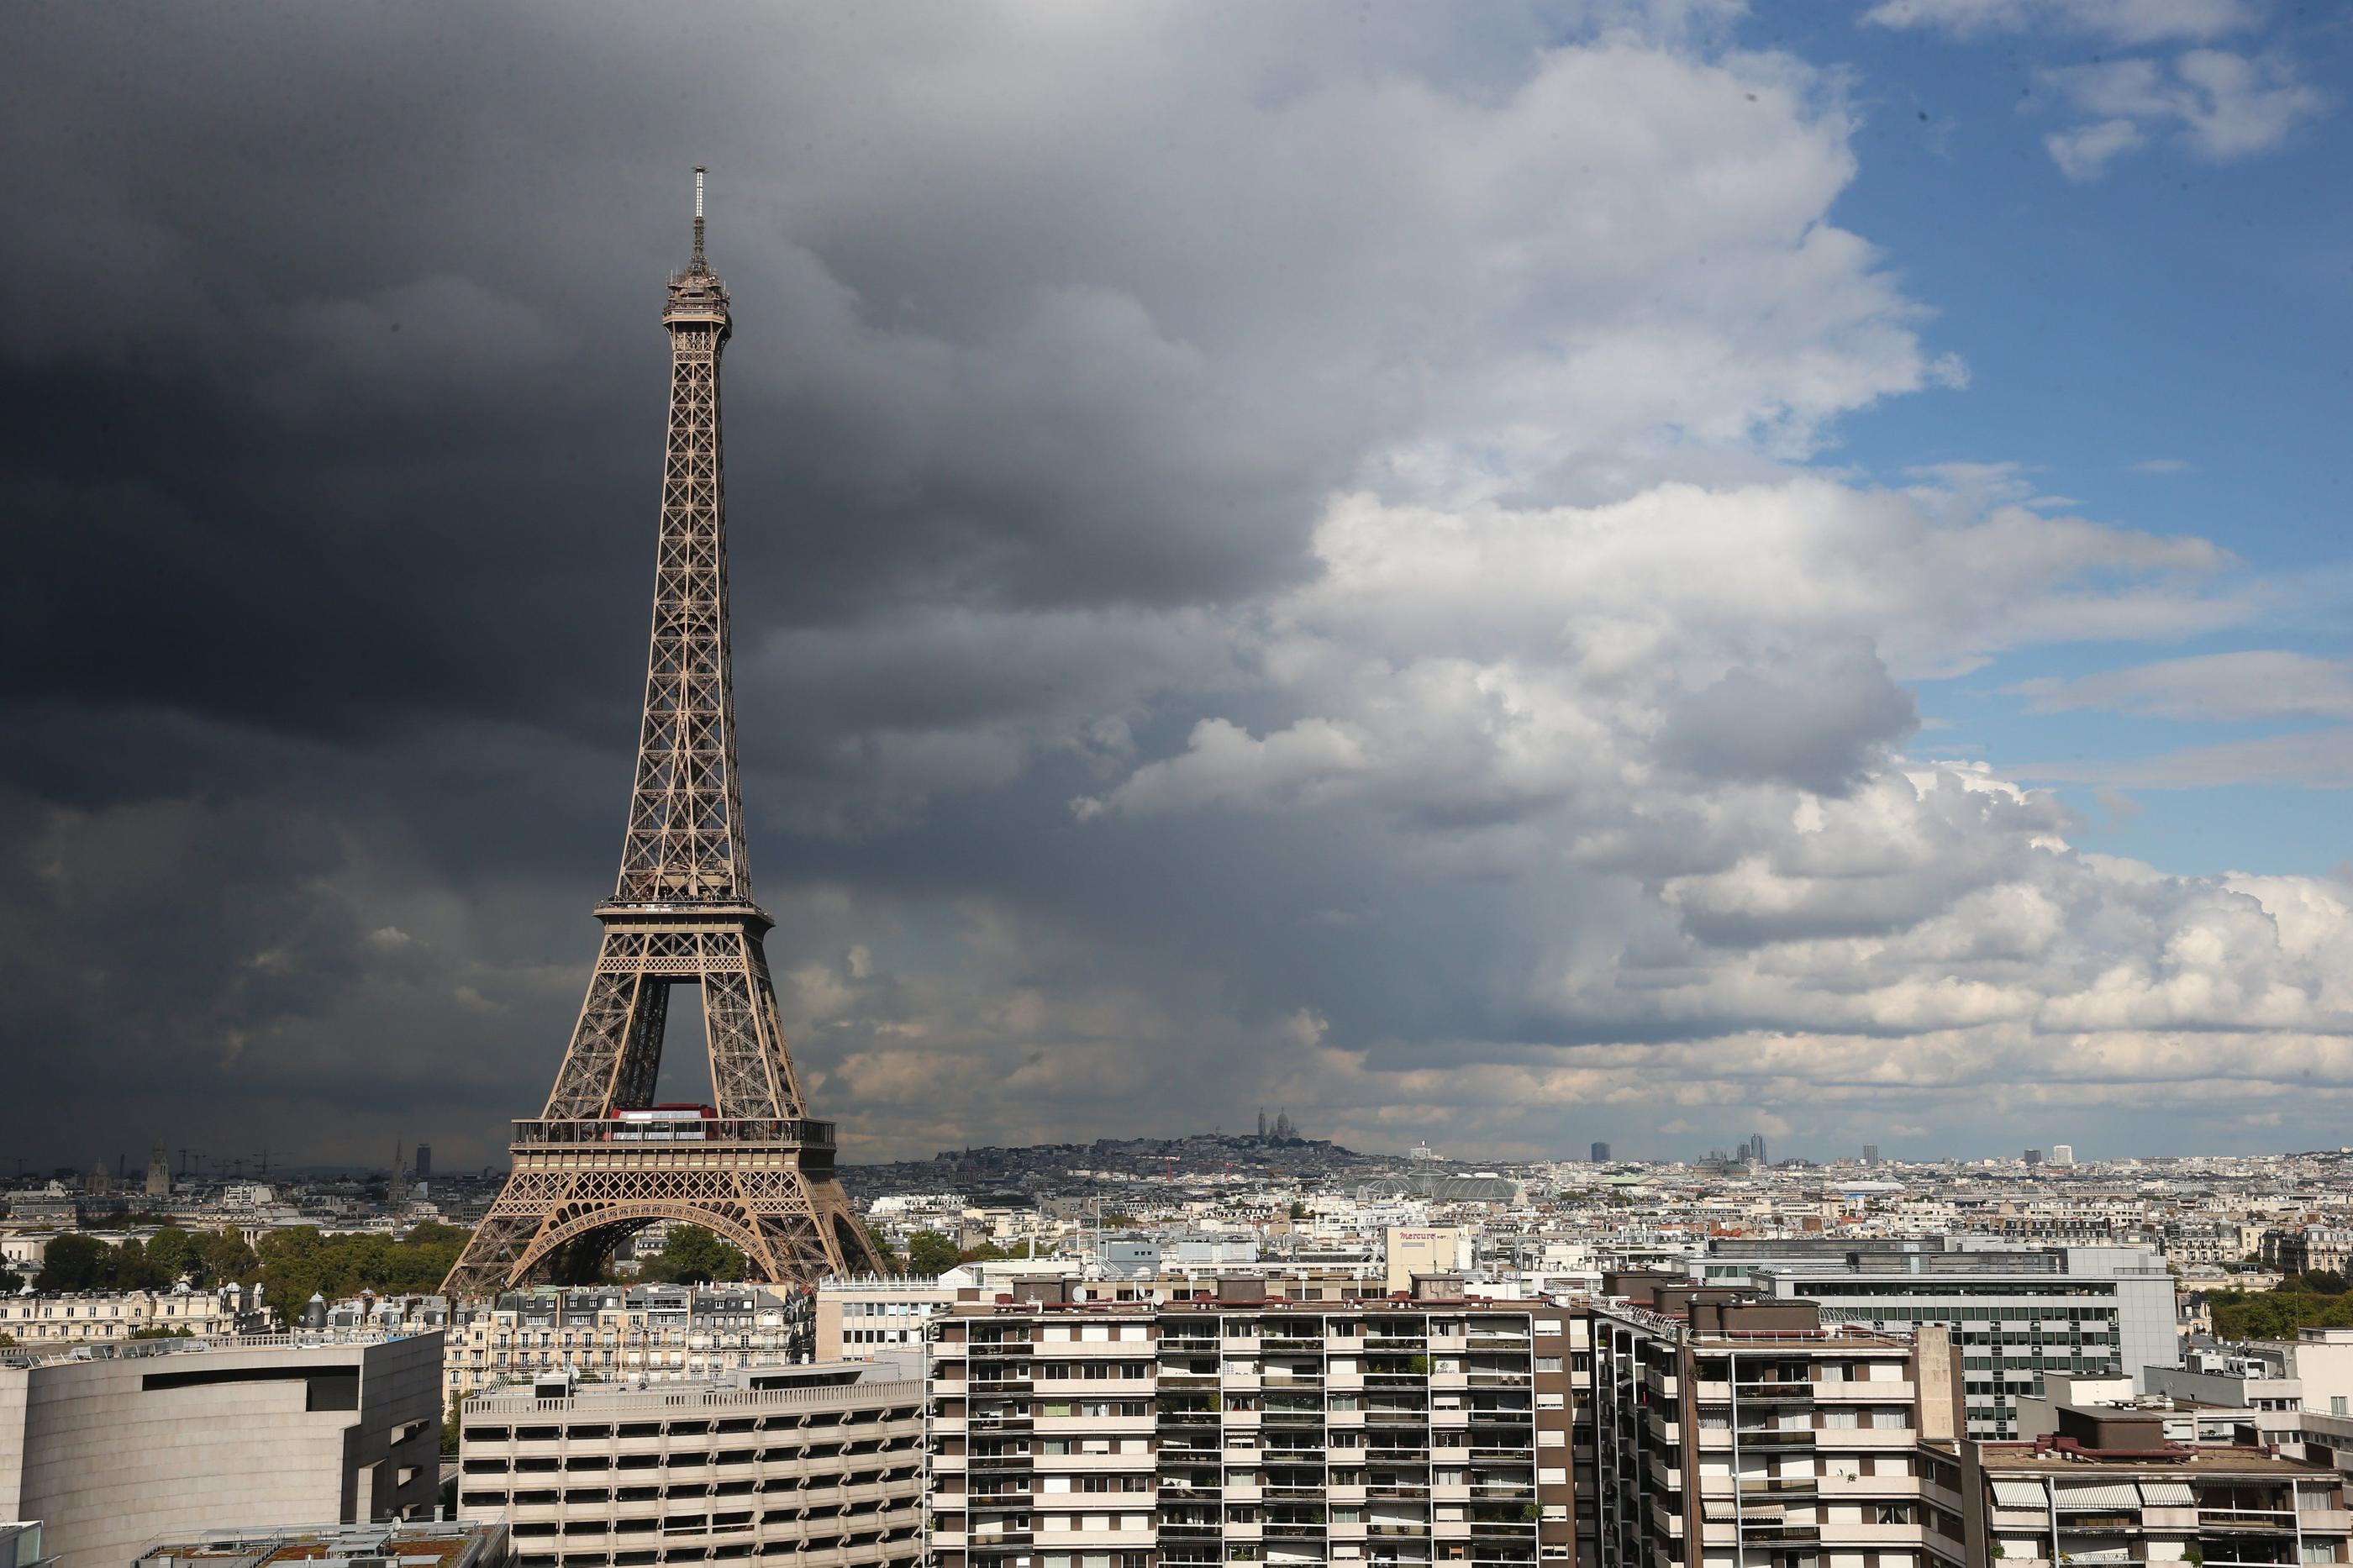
600,1160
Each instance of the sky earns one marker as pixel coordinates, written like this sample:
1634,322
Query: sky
1504,575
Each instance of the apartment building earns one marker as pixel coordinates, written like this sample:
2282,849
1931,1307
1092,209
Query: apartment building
1731,1429
119,1317
2202,1242
111,1446
2309,1249
822,1463
2108,1487
1234,1425
861,1316
2017,1313
657,1333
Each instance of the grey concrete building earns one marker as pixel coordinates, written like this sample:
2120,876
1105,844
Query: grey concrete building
2016,1312
820,1463
113,1446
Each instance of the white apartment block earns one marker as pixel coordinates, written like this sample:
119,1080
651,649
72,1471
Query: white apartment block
859,1317
1235,1426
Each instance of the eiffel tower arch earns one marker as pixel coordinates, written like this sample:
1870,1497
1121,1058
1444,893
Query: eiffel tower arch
600,1160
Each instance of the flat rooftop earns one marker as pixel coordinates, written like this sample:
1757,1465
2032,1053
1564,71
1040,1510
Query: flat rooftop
2001,1459
455,1543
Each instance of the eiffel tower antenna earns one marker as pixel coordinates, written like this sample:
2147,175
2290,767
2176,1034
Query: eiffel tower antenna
601,1160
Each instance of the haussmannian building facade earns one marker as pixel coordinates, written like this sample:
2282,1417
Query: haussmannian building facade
117,1316
657,1333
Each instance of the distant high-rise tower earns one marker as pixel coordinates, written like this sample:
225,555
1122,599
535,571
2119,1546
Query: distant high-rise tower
2034,1156
1600,1152
1870,1154
425,1161
158,1172
2063,1153
603,1162
1756,1149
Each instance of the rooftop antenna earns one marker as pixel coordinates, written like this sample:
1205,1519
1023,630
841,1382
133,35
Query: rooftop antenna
698,264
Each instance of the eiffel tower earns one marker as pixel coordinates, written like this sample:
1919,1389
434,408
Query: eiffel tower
600,1161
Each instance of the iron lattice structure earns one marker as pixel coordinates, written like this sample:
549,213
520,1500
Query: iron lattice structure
759,1174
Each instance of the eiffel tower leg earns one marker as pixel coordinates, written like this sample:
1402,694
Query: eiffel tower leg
614,1059
493,1258
620,1026
742,1054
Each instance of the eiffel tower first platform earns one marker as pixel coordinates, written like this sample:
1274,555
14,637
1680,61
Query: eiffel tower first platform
600,1161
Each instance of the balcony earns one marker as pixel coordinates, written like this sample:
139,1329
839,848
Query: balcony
1853,1392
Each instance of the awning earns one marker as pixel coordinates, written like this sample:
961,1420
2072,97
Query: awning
2168,1494
2103,1496
2018,1494
1720,1510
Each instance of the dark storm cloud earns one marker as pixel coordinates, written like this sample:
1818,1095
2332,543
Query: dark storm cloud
332,385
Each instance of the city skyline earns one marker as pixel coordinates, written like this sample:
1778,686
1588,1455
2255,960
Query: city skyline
1652,578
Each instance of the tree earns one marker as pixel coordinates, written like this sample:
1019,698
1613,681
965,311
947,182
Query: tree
293,1263
930,1253
174,1254
10,1281
692,1256
75,1263
882,1249
223,1256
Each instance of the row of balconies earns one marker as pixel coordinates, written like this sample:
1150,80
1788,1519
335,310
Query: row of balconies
675,1530
893,1549
905,1491
845,1455
534,1438
757,1461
